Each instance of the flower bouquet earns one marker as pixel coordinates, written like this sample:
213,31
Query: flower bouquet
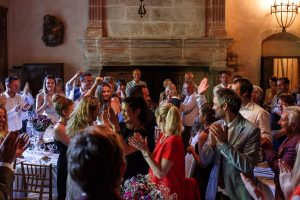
39,122
140,187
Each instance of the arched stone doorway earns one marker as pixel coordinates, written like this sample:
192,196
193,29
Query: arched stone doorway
280,57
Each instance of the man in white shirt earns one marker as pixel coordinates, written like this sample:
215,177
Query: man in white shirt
86,83
28,99
136,81
190,111
250,110
14,104
223,77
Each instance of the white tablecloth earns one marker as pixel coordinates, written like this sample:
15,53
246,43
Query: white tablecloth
265,177
36,158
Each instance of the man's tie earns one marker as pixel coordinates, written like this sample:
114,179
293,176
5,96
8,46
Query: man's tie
226,128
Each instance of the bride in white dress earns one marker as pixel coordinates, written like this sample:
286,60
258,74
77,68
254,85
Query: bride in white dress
44,104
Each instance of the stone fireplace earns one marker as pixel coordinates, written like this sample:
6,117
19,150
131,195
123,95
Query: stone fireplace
174,36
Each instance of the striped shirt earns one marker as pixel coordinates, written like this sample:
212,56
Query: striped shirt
131,84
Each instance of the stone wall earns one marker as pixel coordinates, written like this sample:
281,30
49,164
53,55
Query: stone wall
249,23
25,30
164,19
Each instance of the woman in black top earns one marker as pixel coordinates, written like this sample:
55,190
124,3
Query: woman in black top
135,113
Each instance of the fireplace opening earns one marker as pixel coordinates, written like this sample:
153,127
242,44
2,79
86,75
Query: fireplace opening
155,75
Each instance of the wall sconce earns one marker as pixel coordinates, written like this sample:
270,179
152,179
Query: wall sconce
232,60
142,10
285,12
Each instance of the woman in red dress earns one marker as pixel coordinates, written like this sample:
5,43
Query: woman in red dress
167,161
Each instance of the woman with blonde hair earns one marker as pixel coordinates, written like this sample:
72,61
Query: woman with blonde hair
3,123
63,107
44,104
84,115
167,161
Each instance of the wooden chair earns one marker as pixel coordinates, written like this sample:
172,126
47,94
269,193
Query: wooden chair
34,179
21,190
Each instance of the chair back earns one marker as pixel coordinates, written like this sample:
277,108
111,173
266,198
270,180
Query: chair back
34,179
21,190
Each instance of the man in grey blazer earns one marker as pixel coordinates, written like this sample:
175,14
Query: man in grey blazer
233,147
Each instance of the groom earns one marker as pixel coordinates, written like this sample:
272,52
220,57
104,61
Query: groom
233,147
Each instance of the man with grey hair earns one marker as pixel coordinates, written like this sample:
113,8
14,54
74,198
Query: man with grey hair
190,111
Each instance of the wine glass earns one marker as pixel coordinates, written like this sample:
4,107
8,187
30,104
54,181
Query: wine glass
34,140
43,147
51,147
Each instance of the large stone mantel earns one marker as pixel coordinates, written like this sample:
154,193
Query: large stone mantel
159,47
163,52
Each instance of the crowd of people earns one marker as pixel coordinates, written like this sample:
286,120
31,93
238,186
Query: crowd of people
106,132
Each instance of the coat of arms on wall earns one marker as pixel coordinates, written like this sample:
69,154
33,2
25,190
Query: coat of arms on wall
53,31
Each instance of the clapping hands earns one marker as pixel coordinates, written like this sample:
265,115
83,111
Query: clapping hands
12,146
17,107
285,178
218,133
138,142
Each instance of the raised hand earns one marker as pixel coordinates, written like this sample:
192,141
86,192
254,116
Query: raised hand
22,144
98,80
113,119
78,74
203,86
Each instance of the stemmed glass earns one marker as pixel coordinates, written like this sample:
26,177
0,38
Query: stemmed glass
51,147
34,140
42,147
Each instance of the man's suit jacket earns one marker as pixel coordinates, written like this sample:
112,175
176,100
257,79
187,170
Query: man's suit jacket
241,154
6,180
